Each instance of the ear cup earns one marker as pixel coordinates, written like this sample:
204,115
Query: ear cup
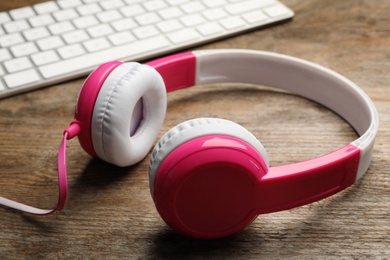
128,113
203,175
196,128
86,103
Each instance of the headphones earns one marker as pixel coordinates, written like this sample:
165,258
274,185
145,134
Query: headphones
211,177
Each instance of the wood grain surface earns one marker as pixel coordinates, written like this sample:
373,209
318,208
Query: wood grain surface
110,214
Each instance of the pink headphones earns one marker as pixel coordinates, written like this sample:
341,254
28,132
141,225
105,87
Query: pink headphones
210,177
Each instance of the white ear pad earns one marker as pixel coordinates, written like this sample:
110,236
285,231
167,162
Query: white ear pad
128,113
194,128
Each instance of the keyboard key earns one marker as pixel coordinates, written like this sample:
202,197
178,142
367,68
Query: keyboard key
50,43
214,3
60,28
16,26
255,17
100,30
177,2
11,39
109,16
24,49
17,64
170,13
70,51
46,7
75,36
248,6
41,20
121,38
192,20
132,1
169,26
111,4
192,7
4,17
92,60
45,57
154,5
22,13
210,29
232,23
96,44
215,14
145,31
276,10
36,33
146,19
68,3
85,21
132,10
124,24
21,78
183,36
64,15
89,9
4,55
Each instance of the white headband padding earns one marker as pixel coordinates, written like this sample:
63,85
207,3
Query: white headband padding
112,116
192,129
300,77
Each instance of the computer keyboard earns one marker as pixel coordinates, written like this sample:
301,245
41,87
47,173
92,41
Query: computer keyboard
55,41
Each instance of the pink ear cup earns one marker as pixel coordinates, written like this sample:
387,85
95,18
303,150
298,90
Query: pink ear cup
86,102
203,174
120,110
194,128
205,188
128,114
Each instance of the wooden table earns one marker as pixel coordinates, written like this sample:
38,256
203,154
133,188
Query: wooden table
109,212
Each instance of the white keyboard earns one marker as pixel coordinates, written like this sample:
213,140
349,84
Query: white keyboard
59,40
